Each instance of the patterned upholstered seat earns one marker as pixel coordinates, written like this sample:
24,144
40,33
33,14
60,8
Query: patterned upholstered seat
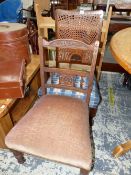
53,123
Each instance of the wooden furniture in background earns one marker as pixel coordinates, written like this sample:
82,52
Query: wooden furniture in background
120,18
66,4
44,4
72,4
32,36
120,21
120,46
104,35
43,23
11,110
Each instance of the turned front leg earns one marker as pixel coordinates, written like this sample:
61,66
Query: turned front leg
19,156
84,172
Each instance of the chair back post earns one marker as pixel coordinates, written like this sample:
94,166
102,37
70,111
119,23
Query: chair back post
91,74
44,4
32,36
42,64
104,41
43,22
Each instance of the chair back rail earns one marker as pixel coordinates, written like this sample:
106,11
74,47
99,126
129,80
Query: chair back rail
67,77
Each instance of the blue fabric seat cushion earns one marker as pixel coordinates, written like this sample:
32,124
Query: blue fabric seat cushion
95,94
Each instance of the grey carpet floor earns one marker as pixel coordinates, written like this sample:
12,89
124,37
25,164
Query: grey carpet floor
112,126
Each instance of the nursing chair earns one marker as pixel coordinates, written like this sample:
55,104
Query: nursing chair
57,126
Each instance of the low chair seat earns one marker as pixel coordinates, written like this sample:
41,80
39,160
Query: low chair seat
55,128
95,94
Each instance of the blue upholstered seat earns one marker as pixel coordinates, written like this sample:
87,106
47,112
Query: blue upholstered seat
95,95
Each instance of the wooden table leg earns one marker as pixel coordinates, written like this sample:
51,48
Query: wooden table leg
121,149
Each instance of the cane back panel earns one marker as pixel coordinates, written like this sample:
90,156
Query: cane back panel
84,27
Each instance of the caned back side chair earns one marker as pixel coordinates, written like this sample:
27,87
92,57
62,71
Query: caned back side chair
32,36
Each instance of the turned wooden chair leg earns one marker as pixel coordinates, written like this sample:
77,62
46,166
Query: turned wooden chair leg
92,112
84,172
19,156
91,121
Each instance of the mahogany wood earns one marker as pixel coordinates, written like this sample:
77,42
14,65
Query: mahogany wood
104,36
84,172
19,156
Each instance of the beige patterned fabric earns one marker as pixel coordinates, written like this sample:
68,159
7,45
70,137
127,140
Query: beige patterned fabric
56,128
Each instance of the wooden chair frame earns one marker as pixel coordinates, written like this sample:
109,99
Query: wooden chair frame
104,36
67,43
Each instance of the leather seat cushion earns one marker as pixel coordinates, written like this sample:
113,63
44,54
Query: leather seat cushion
56,128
